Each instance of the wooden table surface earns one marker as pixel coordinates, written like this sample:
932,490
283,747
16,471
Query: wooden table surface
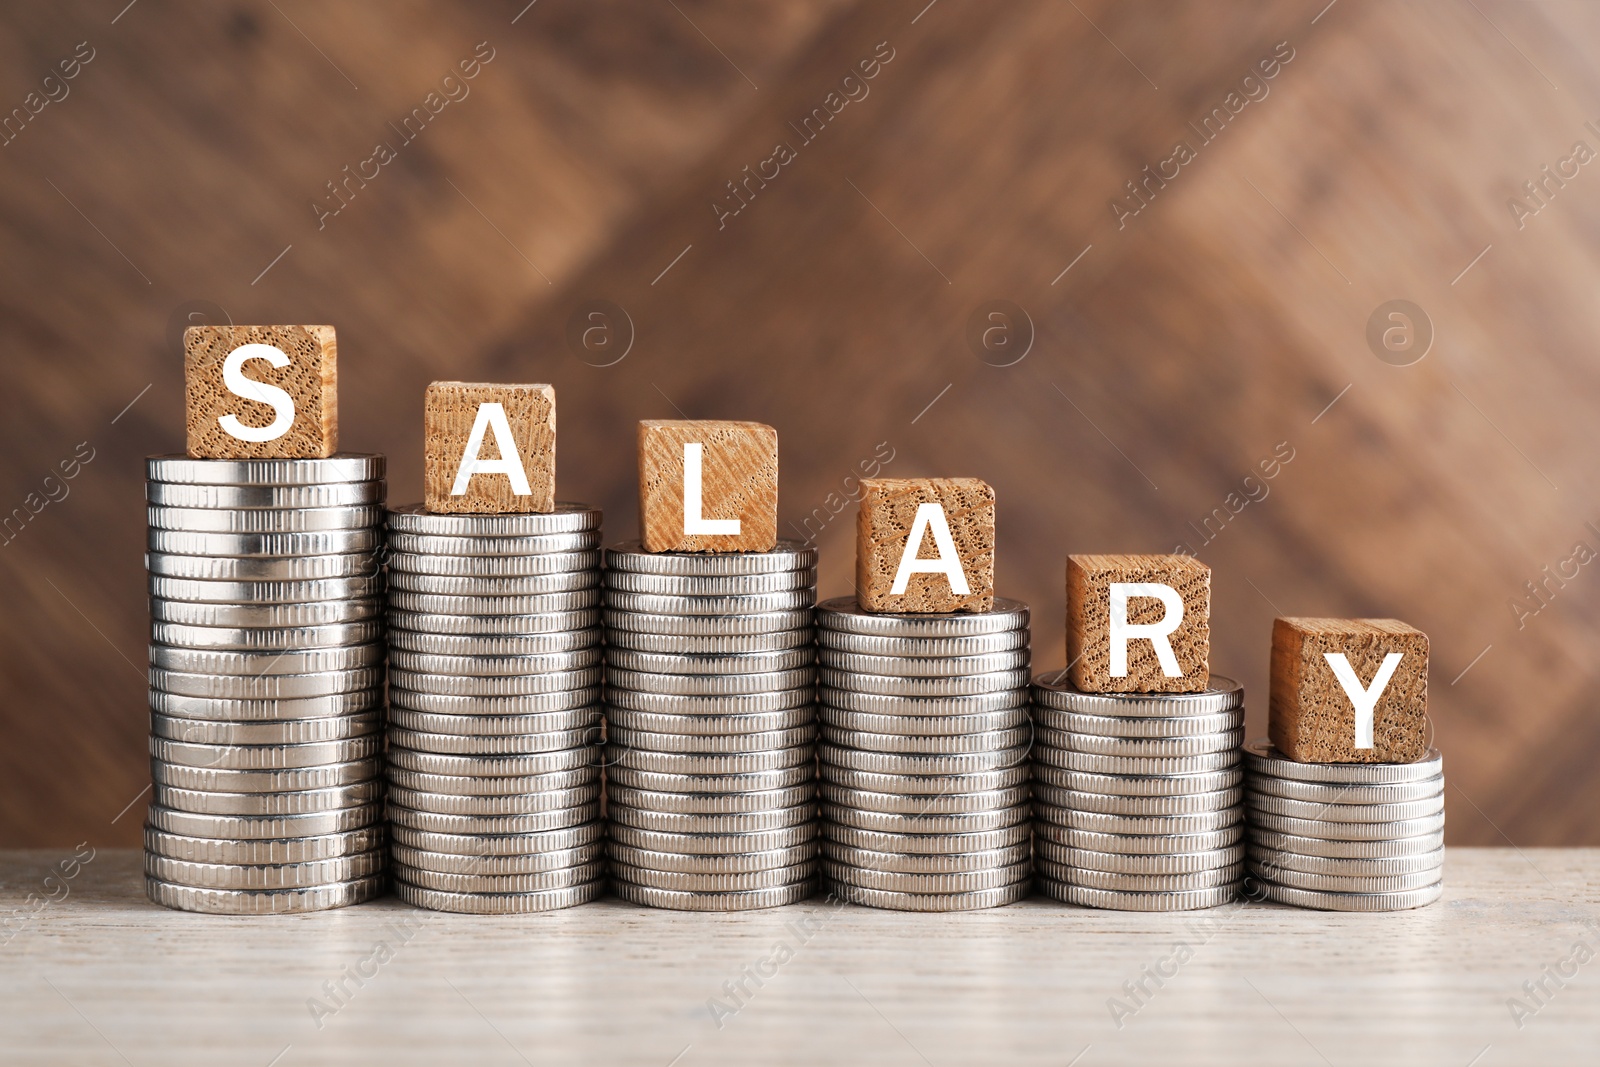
105,977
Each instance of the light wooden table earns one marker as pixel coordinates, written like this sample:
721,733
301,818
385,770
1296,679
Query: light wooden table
102,977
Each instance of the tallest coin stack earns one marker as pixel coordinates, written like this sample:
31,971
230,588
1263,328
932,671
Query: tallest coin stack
266,676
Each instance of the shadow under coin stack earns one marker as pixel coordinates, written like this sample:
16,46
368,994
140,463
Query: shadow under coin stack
711,724
494,675
1137,796
1346,836
266,683
924,756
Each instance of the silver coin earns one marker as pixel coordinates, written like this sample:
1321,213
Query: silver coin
929,728
266,616
505,589
276,687
1053,689
682,900
742,882
1331,793
1348,831
844,614
554,800
698,863
401,740
741,663
727,625
1125,785
428,681
582,699
1122,863
264,876
753,604
620,814
489,729
552,563
582,621
246,709
1164,825
437,613
265,664
926,784
938,744
1329,883
205,591
267,734
566,878
924,647
467,785
494,645
1144,747
492,766
499,844
1305,898
1115,900
933,824
690,645
1264,759
784,556
1379,849
709,585
931,902
1147,727
263,902
855,663
266,546
568,517
264,757
722,746
271,851
943,861
699,785
920,765
1111,804
735,704
1214,878
279,497
259,569
622,757
1338,812
901,882
711,803
1130,844
339,467
239,828
499,903
523,823
709,685
287,780
951,802
443,545
526,863
891,685
723,848
1135,765
710,724
238,638
493,666
245,520
1277,859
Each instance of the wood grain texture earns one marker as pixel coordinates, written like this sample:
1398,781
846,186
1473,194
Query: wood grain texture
1311,718
105,973
310,379
449,412
1089,580
885,519
738,481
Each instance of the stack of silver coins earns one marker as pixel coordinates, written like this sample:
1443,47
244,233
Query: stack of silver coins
266,683
1345,836
494,723
1137,796
711,727
924,756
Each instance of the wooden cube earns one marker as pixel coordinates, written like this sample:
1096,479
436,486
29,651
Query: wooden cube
707,485
261,392
489,449
1313,714
919,540
1138,624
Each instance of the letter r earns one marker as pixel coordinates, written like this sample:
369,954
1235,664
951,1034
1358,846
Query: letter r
1157,633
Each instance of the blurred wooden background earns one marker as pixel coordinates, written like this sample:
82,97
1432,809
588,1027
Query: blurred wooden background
1183,348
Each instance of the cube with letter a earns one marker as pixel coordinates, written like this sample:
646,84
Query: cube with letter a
925,545
707,485
1349,690
261,392
1138,623
489,449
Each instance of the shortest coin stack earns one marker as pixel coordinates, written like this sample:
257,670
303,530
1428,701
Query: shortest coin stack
1345,836
494,653
1137,795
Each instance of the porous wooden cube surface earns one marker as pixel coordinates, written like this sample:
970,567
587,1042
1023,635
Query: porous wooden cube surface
310,379
1089,580
451,409
739,480
1310,716
888,512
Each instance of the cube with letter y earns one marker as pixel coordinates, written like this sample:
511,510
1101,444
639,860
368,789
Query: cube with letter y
925,545
1138,623
1349,690
489,449
261,392
707,485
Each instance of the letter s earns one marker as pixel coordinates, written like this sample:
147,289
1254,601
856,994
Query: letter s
282,403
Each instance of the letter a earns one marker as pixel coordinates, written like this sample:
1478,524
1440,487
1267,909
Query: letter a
282,403
491,416
1122,631
948,563
1363,699
694,496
